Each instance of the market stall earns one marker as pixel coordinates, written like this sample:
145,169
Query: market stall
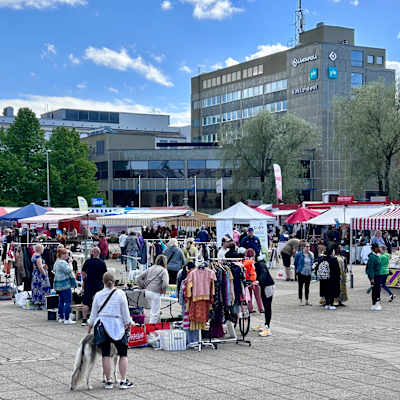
387,219
242,214
140,217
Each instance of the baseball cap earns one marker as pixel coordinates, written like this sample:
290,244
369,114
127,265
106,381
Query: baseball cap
250,230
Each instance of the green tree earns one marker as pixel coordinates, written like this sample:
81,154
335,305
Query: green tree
265,140
367,134
72,173
22,161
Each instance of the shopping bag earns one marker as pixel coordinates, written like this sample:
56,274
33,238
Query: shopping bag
173,340
137,337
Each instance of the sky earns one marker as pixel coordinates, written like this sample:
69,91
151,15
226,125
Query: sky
139,55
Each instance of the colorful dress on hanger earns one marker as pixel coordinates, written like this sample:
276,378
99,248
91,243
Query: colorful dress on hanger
200,296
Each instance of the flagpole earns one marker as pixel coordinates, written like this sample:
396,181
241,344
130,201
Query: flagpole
222,194
195,193
140,192
166,187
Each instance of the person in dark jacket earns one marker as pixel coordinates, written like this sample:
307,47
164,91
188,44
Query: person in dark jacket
203,235
251,242
330,288
388,242
373,271
267,292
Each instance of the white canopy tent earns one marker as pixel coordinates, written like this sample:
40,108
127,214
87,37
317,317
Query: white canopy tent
242,214
52,218
344,214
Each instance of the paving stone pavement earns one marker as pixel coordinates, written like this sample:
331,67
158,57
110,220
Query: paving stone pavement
350,353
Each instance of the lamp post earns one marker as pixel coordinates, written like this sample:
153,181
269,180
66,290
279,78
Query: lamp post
48,177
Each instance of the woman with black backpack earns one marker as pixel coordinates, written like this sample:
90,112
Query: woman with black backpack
328,273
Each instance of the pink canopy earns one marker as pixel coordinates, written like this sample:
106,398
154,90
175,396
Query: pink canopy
302,215
265,212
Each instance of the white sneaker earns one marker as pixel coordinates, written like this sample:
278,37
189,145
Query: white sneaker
69,322
60,320
331,308
265,332
326,307
308,303
300,302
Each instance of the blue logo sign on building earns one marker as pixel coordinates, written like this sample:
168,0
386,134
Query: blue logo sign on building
332,73
97,201
313,74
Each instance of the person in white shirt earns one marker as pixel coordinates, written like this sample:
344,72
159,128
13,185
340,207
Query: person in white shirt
122,245
224,248
116,320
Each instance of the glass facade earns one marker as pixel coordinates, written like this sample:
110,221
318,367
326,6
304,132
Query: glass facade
356,79
209,169
357,58
91,116
100,147
102,170
149,169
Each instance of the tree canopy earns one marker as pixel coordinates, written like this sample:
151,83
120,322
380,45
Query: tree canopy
23,164
72,173
367,133
265,140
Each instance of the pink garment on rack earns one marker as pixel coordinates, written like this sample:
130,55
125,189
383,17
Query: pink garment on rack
201,283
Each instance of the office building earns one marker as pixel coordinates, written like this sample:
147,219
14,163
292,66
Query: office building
303,80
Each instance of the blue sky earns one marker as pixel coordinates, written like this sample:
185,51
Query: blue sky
139,55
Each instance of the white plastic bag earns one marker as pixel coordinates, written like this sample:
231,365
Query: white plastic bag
20,298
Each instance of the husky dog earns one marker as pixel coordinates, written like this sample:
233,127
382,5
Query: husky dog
85,359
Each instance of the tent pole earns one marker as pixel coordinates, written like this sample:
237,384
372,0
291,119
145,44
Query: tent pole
351,259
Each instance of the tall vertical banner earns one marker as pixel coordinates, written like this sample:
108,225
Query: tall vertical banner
278,181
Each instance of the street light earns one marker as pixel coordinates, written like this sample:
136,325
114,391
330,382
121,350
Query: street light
48,177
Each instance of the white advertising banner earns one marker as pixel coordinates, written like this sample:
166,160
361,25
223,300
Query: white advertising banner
224,227
261,231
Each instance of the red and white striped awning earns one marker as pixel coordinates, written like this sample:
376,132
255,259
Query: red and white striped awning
386,220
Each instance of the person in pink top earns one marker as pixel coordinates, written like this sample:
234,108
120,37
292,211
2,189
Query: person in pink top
236,236
103,245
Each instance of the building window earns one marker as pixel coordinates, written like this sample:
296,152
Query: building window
233,76
214,82
100,147
218,80
249,72
261,69
357,58
379,60
164,169
244,73
371,59
196,123
238,75
228,77
195,167
255,70
102,170
204,84
356,79
223,79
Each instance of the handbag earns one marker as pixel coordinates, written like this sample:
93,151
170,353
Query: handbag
140,294
99,331
72,281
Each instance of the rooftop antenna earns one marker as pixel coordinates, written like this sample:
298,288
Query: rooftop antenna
299,22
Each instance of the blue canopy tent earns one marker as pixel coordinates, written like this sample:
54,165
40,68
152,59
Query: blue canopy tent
31,210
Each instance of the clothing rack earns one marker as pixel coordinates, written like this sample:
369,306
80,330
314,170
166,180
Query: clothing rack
213,343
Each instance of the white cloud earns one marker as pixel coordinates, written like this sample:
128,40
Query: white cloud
217,66
113,90
33,74
49,49
159,58
186,69
73,59
398,36
166,5
179,117
82,85
396,66
123,62
213,9
230,62
266,50
39,4
355,3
